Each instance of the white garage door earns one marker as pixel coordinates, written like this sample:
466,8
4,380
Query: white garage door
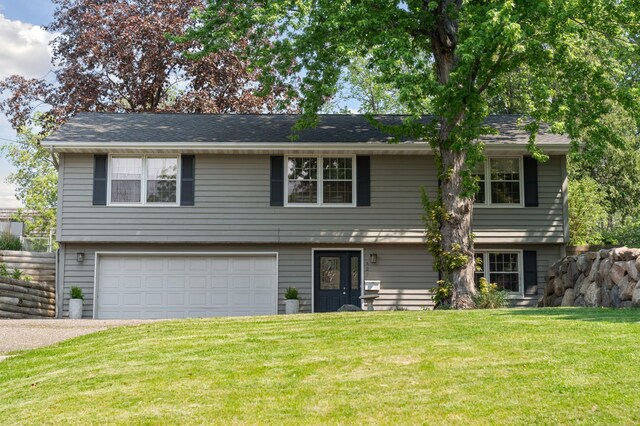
180,286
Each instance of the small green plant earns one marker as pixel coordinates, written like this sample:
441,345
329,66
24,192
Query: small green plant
4,271
400,308
16,274
76,293
442,294
9,242
489,297
291,293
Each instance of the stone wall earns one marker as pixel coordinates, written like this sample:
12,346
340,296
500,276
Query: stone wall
607,278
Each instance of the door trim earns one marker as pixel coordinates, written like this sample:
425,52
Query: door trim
313,284
96,264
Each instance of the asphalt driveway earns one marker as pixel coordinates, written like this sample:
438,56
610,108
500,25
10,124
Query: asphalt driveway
34,333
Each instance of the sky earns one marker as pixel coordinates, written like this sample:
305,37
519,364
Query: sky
24,50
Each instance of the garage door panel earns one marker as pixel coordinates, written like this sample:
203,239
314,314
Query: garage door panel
153,281
172,286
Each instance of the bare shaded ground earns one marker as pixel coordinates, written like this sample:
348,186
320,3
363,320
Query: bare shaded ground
33,333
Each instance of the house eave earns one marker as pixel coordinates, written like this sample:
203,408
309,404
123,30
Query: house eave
407,148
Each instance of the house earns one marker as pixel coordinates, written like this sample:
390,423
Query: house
179,215
9,226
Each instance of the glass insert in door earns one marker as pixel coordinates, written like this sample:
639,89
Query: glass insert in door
329,273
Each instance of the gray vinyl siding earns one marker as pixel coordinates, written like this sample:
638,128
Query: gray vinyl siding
232,206
404,270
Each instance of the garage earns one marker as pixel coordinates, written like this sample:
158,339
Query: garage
177,285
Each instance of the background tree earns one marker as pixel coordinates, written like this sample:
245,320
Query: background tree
115,56
35,182
450,55
362,85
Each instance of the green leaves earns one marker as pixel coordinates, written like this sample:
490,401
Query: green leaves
35,181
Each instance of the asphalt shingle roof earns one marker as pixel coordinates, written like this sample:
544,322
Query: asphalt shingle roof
239,128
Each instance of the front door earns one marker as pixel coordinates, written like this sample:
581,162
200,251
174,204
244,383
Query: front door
336,280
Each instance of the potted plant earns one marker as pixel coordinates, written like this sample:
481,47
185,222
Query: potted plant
291,302
75,304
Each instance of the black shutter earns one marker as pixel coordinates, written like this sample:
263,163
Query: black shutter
100,165
530,182
277,180
530,264
187,180
363,180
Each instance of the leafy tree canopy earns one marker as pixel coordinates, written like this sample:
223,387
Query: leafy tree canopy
115,56
35,181
446,57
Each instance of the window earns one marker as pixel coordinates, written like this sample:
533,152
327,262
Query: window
502,268
334,185
500,180
143,180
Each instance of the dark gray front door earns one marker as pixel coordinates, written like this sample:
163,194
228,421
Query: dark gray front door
336,279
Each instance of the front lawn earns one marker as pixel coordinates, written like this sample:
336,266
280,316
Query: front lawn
503,366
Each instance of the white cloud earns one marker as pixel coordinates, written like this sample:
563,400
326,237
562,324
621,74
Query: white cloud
25,49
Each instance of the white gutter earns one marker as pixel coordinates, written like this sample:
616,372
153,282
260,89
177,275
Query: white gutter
270,147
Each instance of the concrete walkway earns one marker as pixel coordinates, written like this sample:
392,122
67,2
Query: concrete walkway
34,333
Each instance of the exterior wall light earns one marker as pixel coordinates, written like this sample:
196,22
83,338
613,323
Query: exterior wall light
373,258
80,256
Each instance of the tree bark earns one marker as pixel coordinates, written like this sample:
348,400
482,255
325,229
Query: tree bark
456,228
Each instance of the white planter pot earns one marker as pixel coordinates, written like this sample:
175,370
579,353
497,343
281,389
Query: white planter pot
75,308
291,306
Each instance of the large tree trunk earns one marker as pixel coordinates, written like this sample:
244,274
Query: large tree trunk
456,228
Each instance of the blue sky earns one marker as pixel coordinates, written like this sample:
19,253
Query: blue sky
24,51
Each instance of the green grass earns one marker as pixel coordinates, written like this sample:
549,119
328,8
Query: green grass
445,367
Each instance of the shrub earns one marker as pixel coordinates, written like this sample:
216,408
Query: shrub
442,294
4,271
291,293
9,242
76,293
16,274
489,297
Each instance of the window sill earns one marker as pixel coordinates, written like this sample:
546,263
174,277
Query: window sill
143,205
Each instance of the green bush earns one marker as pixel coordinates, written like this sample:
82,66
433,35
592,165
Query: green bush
442,294
291,293
627,234
9,242
76,293
489,297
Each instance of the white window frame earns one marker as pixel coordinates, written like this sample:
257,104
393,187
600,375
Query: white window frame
487,184
320,202
143,182
487,272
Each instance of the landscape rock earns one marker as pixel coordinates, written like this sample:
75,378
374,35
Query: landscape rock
614,295
635,299
607,278
349,308
583,263
626,287
559,288
632,269
617,272
568,298
573,271
593,295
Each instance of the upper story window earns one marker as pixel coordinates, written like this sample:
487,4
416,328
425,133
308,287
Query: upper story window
143,180
500,180
320,181
502,268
